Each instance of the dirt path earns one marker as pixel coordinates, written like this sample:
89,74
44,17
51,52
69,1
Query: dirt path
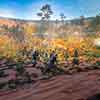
65,87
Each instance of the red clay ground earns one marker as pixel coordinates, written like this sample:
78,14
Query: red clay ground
65,87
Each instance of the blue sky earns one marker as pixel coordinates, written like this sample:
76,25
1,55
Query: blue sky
27,9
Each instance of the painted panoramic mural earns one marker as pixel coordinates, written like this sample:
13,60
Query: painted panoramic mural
44,41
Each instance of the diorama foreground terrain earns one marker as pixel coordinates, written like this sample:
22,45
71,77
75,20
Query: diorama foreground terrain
78,86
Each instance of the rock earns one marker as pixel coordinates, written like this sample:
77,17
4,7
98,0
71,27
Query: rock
44,77
29,65
4,61
94,97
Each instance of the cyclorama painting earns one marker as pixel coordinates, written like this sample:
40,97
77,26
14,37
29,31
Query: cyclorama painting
50,50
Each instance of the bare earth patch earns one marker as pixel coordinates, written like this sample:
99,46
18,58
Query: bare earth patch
64,87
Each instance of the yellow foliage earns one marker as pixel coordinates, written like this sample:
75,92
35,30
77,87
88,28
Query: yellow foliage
30,29
9,47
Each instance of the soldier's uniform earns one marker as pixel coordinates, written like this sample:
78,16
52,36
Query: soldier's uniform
35,57
52,61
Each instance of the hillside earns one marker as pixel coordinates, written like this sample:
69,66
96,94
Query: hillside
13,21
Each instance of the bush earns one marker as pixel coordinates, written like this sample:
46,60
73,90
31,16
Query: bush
66,56
55,71
92,54
98,63
28,77
19,68
2,85
11,84
1,73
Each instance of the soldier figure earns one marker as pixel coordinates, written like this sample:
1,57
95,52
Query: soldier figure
52,61
76,58
35,55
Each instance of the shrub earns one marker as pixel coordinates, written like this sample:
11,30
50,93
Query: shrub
28,77
98,63
66,56
19,68
11,84
1,73
2,85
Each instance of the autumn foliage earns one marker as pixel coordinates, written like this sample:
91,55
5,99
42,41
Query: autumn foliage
85,45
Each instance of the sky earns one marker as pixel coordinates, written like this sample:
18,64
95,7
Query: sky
28,9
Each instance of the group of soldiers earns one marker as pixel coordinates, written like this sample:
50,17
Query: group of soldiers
51,62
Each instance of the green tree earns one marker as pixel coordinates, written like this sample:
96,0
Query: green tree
82,20
63,28
45,14
95,23
17,33
66,55
63,17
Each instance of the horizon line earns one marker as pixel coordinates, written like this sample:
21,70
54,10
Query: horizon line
16,18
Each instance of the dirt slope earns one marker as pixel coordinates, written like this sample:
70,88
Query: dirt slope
64,87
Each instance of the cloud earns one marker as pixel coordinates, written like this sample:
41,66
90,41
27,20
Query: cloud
27,10
7,13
